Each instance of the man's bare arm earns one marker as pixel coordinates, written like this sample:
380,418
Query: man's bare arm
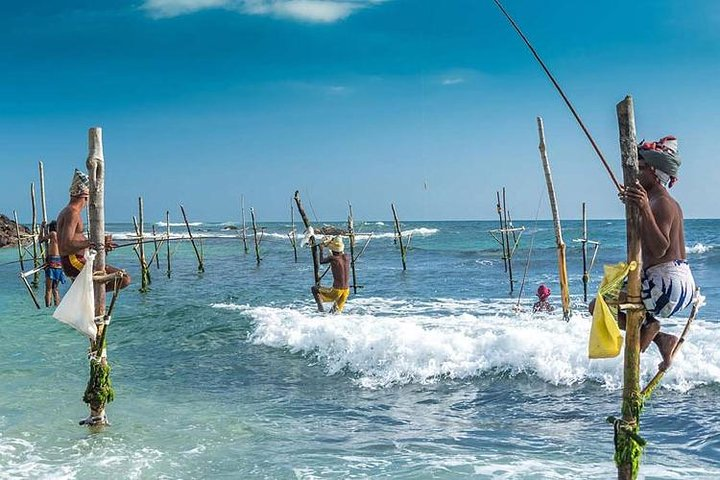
67,241
657,220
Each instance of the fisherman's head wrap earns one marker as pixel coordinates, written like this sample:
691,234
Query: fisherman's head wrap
543,292
663,155
80,184
336,244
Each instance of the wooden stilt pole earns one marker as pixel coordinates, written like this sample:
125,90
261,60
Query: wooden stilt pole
313,246
167,240
351,235
508,254
586,275
628,449
399,236
562,264
144,268
244,228
157,247
34,229
255,236
99,388
201,267
293,232
502,227
21,255
43,208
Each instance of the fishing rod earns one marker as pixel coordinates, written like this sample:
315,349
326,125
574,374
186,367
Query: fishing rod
562,94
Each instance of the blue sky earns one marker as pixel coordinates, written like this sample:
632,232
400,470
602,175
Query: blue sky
428,104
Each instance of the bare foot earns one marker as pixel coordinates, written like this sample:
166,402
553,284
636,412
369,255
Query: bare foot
647,334
666,344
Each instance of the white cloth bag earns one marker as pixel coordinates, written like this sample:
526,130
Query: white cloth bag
77,307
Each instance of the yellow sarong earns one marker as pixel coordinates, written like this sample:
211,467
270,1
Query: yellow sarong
337,295
605,337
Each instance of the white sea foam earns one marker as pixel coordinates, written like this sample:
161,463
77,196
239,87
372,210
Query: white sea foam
699,248
389,341
192,224
176,235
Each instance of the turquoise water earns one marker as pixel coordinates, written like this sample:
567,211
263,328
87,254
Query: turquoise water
429,373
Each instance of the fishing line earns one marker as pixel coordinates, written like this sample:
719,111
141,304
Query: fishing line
562,94
532,241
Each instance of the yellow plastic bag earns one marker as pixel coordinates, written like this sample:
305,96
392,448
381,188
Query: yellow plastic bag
605,337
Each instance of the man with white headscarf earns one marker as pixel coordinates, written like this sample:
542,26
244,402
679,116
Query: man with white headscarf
667,282
72,242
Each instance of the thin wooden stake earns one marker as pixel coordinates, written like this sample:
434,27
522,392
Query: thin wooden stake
586,275
36,259
562,264
502,227
244,228
293,233
201,267
155,242
313,245
399,236
167,234
21,256
255,236
351,234
43,208
507,242
144,268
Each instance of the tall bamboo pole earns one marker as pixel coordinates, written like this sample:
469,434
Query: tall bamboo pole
36,258
313,246
586,275
201,267
43,207
144,268
351,234
244,228
293,233
399,235
99,389
502,229
21,256
167,234
507,242
255,235
627,449
562,264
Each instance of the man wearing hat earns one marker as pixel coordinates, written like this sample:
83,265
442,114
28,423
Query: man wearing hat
340,266
667,282
72,242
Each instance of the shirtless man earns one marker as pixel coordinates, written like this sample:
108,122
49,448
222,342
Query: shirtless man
340,266
667,282
72,242
53,264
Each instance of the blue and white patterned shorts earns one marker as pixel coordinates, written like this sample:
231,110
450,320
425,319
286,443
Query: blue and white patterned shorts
668,288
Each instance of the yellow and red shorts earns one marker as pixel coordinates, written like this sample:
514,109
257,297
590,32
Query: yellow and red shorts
72,264
337,295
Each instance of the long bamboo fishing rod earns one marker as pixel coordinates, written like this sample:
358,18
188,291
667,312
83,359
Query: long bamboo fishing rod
562,94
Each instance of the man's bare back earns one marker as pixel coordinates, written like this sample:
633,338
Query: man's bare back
340,267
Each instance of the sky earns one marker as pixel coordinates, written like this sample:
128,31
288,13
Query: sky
431,105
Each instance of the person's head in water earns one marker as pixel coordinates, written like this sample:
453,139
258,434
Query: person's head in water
336,245
543,292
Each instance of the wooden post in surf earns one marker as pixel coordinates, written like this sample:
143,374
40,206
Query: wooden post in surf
313,246
244,233
255,235
628,448
144,267
21,256
351,235
99,389
167,239
34,228
562,264
201,267
502,227
398,232
508,251
586,275
293,233
157,247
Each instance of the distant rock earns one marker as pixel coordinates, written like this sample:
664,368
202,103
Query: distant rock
8,234
230,227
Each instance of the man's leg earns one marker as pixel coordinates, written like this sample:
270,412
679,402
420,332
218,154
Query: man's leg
666,344
48,291
648,331
110,284
316,294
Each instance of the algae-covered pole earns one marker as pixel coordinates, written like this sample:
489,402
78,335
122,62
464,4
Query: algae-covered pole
167,235
293,233
351,234
313,245
99,389
628,449
21,256
144,268
34,227
255,236
502,227
586,275
562,265
399,235
201,267
506,234
244,228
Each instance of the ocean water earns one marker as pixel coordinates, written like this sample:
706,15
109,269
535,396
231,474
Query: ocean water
429,373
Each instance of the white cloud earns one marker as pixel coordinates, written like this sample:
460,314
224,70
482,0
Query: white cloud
315,11
452,80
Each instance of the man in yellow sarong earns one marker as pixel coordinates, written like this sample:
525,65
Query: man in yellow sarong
340,266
